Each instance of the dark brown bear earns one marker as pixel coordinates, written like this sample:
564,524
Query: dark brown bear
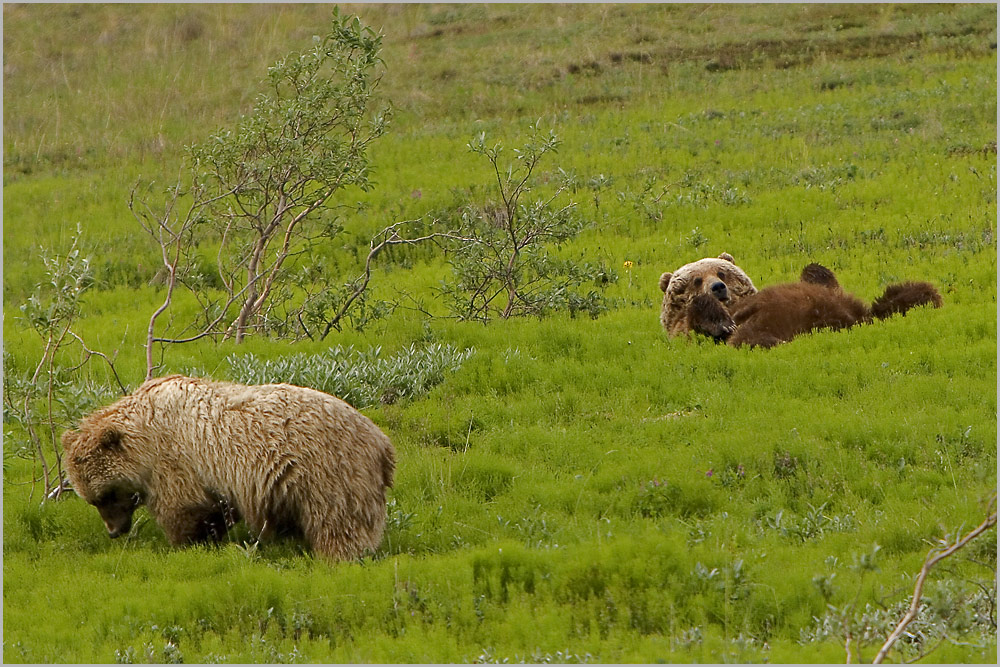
777,314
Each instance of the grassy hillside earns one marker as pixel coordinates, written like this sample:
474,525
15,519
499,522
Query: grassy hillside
570,489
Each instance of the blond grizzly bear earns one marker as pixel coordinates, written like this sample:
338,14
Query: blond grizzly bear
715,297
203,454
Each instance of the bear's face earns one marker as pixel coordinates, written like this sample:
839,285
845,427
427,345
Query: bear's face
102,473
717,276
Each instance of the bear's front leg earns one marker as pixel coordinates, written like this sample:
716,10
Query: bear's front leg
196,523
707,315
187,514
180,524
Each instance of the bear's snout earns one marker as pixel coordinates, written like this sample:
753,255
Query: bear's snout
116,512
720,291
118,531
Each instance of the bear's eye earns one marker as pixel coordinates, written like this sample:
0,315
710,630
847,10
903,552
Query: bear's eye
697,282
722,275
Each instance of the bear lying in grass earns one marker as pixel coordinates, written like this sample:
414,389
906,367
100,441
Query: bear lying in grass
714,297
202,455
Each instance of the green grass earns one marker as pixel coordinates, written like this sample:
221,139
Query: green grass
578,490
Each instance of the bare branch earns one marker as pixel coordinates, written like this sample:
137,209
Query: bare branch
932,559
283,253
88,353
29,395
171,238
61,488
390,237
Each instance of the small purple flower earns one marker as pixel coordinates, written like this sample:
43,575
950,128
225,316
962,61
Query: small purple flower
709,473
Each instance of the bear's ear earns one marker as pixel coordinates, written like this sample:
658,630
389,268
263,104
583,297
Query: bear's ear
726,256
665,280
111,440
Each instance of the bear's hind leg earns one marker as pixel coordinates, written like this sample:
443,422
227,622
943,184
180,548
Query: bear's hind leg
340,539
331,546
339,532
817,274
900,298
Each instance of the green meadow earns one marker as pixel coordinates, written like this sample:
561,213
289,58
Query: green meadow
569,488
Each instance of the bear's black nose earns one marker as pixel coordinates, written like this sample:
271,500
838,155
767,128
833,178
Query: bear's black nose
117,530
720,291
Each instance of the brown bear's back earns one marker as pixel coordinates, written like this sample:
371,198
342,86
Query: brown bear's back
778,314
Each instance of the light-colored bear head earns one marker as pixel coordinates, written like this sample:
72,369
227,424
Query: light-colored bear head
104,471
718,276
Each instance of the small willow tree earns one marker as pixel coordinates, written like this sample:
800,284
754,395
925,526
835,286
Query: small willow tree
262,195
270,178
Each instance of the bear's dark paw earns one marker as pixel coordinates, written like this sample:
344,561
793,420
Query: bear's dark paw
726,332
708,316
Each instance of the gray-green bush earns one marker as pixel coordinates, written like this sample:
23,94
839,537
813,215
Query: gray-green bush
362,378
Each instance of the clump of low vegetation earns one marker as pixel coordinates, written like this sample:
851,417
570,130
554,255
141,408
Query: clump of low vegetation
362,378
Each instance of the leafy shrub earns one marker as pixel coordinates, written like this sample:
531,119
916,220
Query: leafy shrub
50,398
266,192
951,610
812,524
508,269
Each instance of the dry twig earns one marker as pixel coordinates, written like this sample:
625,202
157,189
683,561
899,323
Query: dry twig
932,559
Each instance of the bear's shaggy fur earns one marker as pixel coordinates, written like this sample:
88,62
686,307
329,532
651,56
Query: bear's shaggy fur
775,314
203,454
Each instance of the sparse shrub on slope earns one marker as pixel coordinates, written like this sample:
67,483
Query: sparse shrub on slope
43,401
511,269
